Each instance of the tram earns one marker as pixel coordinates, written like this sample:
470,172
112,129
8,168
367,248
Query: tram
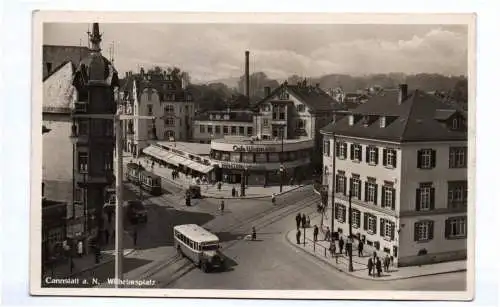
139,176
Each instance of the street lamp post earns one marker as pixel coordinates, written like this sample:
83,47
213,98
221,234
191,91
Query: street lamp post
282,168
350,240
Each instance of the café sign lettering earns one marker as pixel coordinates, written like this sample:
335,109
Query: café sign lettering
243,148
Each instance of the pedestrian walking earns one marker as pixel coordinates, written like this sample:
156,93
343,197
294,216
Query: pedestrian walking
135,237
379,267
219,185
236,193
297,235
80,249
221,208
392,261
360,248
273,198
332,248
341,244
370,267
233,191
298,218
308,222
315,233
327,234
387,262
254,234
304,220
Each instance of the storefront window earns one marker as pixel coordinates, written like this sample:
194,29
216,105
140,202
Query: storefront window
247,157
274,157
225,156
217,155
235,157
261,157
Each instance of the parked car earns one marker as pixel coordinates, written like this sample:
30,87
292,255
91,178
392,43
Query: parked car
194,191
135,211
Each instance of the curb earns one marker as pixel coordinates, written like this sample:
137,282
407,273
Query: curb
252,197
365,278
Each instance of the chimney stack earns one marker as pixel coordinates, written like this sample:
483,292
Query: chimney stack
403,93
267,91
247,74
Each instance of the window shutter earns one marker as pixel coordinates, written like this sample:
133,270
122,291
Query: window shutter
393,199
417,200
352,151
359,190
376,155
415,231
383,196
336,183
384,156
365,221
345,186
419,159
450,158
343,214
366,191
375,196
395,160
337,149
393,228
382,228
433,158
367,154
447,228
431,230
433,195
375,225
360,153
350,185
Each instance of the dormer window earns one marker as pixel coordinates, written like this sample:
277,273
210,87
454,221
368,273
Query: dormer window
382,121
455,124
217,116
301,108
351,120
211,116
284,95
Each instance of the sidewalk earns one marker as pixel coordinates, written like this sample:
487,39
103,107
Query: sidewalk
320,250
87,262
210,190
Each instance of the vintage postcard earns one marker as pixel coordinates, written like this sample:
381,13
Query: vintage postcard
301,156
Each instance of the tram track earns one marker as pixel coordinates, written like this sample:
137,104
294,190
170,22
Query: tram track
260,224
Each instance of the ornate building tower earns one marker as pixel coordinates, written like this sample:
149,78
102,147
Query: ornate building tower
96,82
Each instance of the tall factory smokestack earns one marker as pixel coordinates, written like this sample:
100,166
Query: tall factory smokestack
247,74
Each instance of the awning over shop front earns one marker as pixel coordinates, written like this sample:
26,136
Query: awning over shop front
154,152
199,167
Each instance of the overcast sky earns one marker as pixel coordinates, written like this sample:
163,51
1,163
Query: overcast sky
216,51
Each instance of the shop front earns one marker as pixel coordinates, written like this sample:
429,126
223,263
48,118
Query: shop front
260,162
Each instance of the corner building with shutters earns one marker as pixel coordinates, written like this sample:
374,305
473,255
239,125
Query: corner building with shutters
403,155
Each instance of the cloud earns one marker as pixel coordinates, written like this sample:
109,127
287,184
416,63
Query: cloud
216,51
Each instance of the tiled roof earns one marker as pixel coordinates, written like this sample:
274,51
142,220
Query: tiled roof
412,120
58,90
314,97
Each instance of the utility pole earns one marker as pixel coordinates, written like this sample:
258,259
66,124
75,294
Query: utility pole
333,184
119,203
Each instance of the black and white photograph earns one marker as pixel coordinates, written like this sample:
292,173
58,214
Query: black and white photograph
253,156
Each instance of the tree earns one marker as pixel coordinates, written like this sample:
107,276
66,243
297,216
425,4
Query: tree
460,91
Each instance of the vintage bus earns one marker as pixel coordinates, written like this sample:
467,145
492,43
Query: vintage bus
199,245
133,171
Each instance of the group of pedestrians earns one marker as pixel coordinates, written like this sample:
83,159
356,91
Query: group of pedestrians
375,265
302,221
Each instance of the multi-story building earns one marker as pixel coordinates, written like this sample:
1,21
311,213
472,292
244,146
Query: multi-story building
403,158
96,83
294,112
217,124
162,95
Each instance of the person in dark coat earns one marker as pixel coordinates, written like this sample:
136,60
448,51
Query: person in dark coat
254,234
370,266
304,221
315,233
135,237
387,262
298,219
297,236
379,267
341,244
233,191
360,248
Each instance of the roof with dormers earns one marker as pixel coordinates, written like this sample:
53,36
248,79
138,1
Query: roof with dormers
312,96
420,117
